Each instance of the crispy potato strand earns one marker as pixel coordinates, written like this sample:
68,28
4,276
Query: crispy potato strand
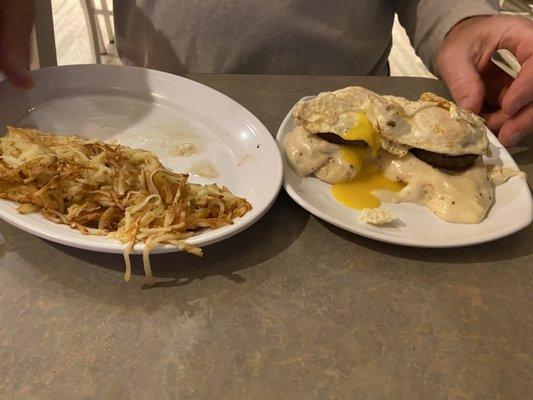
108,189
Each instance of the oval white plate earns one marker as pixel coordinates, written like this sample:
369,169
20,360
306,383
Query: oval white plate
148,109
511,212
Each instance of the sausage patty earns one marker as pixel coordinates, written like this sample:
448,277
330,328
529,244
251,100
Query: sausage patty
445,161
455,163
336,139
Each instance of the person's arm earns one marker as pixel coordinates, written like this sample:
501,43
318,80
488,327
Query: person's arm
16,21
428,21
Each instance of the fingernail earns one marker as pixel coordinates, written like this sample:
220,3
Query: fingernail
469,103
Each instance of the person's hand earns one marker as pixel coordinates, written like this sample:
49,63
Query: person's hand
464,62
16,17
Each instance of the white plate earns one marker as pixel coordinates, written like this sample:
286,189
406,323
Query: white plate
148,109
511,212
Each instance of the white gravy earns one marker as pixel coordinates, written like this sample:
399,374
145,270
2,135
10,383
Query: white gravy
461,197
336,169
306,152
499,175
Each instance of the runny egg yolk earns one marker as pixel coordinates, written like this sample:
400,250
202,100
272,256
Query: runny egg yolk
364,131
357,193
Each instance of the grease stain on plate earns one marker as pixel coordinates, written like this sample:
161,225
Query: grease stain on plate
167,141
205,169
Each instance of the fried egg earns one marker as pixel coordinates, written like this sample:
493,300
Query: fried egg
308,154
352,169
433,124
351,114
340,112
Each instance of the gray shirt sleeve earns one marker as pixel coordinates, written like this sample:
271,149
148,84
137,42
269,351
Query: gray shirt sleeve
428,21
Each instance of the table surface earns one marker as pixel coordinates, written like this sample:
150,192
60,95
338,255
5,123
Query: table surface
291,308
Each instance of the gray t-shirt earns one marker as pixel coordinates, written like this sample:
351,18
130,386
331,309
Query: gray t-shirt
281,36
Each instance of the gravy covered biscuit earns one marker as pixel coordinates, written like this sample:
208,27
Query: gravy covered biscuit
375,149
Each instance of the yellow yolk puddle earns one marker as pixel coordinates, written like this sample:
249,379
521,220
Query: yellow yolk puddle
357,193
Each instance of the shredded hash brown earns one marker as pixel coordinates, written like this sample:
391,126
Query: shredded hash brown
111,190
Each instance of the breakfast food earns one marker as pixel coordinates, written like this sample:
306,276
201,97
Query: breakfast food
334,134
375,149
110,190
377,216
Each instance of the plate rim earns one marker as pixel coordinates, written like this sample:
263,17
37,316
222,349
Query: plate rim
116,247
293,193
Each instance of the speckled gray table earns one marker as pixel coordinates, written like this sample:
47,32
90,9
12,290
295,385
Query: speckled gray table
292,308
